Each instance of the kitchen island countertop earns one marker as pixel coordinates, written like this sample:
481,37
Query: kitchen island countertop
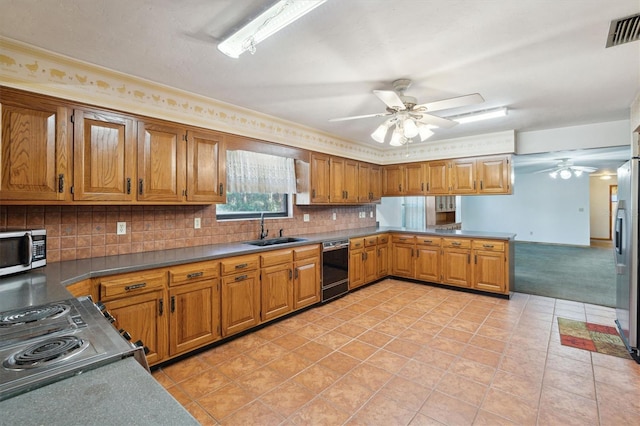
117,394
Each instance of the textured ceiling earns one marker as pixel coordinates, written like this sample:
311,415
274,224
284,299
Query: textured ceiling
544,59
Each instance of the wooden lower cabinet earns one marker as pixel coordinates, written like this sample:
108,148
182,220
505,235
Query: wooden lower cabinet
240,294
364,258
356,263
403,249
306,276
490,264
427,263
144,317
382,256
456,262
276,291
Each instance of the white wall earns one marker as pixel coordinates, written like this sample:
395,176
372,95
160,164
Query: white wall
600,206
389,211
541,209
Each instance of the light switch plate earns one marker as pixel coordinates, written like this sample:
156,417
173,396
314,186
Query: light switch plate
334,216
305,217
196,223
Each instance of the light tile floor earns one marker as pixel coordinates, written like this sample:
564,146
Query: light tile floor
398,353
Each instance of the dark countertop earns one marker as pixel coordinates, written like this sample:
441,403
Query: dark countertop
118,393
70,272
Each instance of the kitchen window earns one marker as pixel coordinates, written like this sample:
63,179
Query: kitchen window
257,184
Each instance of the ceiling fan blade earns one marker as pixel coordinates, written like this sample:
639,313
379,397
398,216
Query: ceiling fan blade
553,169
435,120
584,169
459,101
390,99
356,117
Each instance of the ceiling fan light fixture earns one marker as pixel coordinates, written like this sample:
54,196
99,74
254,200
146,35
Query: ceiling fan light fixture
424,131
410,128
380,133
553,174
480,115
577,173
397,138
269,22
565,174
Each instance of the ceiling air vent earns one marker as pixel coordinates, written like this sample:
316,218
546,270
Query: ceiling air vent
624,30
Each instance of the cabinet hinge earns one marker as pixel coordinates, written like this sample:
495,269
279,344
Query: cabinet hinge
73,118
72,189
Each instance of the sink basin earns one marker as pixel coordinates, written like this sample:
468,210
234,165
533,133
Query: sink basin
275,241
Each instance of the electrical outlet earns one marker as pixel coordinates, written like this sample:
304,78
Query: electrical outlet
334,216
305,217
370,214
121,228
196,223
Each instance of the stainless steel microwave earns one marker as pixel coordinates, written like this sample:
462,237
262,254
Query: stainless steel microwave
22,250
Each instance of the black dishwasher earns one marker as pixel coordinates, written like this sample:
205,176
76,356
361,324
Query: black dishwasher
335,269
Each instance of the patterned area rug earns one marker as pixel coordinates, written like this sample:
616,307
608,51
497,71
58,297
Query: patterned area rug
592,337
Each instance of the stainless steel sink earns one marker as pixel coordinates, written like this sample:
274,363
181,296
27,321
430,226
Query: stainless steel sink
275,241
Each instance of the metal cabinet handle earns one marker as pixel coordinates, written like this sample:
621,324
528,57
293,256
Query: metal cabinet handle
135,286
221,189
61,183
456,243
241,278
290,274
173,304
241,266
195,275
487,245
140,186
128,186
160,306
297,274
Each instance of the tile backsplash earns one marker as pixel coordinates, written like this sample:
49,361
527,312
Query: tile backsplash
79,232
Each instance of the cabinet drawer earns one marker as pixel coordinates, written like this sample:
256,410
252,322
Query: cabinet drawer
306,252
428,241
137,283
239,264
356,243
193,272
458,243
488,245
383,239
276,257
370,241
407,239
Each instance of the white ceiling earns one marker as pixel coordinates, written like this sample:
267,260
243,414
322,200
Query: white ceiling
544,59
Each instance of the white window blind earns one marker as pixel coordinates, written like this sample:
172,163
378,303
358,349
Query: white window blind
254,172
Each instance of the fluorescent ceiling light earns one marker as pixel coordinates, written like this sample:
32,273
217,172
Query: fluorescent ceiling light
266,24
480,115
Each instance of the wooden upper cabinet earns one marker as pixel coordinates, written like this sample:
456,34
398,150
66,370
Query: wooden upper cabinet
415,177
343,180
161,162
364,182
104,152
375,179
36,146
320,178
393,180
437,176
463,176
206,172
494,174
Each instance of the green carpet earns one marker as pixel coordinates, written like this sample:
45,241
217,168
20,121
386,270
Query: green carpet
582,274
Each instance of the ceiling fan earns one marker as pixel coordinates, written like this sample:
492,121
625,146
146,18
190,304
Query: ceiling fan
410,118
565,169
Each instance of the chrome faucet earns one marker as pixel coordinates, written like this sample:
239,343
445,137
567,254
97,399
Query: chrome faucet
263,234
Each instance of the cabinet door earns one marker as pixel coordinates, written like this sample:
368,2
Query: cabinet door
240,300
456,267
104,152
144,317
437,176
320,178
277,291
306,282
402,260
36,145
375,177
161,162
463,176
194,312
428,263
494,175
382,261
489,271
415,179
364,183
356,268
350,181
206,172
370,264
393,180
336,179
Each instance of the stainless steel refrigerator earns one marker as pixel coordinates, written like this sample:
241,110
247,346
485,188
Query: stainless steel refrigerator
626,255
